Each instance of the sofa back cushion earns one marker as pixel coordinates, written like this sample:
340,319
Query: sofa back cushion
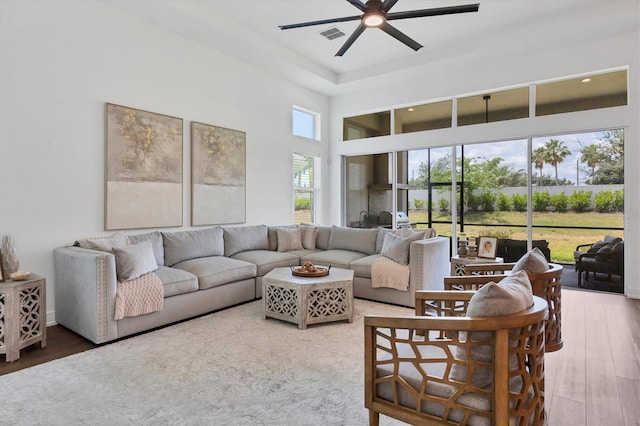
243,238
360,240
185,245
156,243
322,239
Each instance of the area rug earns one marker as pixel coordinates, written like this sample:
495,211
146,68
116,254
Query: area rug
228,368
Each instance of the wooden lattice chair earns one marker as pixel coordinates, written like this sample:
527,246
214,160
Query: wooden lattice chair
547,285
413,364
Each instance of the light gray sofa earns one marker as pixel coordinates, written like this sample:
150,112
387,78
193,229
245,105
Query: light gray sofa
208,269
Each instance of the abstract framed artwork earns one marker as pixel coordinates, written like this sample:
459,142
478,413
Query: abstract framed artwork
143,170
218,175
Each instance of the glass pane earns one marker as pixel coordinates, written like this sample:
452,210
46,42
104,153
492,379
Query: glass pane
423,117
583,93
304,124
367,126
369,198
496,106
578,194
303,206
494,187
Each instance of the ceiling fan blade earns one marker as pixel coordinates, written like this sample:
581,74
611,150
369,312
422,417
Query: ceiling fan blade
400,36
323,21
347,44
434,12
388,4
359,4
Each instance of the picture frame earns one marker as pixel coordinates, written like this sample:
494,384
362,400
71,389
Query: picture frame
218,175
143,169
2,279
487,247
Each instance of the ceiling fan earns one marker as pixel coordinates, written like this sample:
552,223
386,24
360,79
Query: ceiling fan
376,15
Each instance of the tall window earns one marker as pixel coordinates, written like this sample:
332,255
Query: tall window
306,123
306,185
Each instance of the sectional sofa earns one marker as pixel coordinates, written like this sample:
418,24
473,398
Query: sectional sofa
208,269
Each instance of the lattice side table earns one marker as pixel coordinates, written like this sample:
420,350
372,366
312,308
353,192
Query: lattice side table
305,301
22,315
458,263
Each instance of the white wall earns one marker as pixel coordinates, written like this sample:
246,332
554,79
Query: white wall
483,73
61,61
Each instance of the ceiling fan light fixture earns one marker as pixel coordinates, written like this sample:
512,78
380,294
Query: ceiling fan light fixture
373,19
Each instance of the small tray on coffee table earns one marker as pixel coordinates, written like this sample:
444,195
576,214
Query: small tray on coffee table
321,271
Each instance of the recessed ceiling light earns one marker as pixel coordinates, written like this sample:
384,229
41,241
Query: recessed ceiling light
410,109
586,80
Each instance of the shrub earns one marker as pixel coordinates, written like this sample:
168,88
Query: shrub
560,202
519,202
504,202
418,203
580,201
487,201
604,201
473,202
302,203
618,200
443,204
541,201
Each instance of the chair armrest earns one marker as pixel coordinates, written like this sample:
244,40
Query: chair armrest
583,245
85,292
488,268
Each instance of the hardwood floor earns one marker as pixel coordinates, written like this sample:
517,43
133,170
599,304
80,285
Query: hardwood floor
593,380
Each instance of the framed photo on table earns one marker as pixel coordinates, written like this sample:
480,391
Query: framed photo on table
487,247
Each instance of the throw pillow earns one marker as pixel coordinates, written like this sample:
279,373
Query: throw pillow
533,262
107,243
396,247
604,253
511,295
309,236
134,261
289,239
156,242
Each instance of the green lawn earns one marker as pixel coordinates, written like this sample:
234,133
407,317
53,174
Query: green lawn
562,242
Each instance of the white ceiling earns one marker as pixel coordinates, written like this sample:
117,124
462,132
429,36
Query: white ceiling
248,30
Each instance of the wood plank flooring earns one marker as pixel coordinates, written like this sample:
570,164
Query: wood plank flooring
594,380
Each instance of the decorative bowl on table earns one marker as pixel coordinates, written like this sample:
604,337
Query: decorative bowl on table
20,275
308,269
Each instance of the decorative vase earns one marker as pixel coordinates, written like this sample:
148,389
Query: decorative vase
462,248
10,259
473,251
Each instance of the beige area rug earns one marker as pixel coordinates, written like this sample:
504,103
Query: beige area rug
228,368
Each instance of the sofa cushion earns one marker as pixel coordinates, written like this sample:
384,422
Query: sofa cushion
289,239
511,295
176,281
272,235
362,266
156,242
322,240
134,260
309,236
218,270
242,238
396,247
185,245
354,239
335,258
532,262
266,260
106,243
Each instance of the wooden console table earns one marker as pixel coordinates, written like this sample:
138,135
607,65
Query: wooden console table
23,319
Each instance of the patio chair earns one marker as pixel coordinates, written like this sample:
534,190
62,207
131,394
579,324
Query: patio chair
593,247
412,364
547,285
608,259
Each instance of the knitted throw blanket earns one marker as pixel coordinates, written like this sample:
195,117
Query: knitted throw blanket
387,273
138,296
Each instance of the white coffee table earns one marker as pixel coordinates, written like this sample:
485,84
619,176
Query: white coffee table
306,301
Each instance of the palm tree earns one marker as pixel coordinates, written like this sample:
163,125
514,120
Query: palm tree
555,153
591,156
538,157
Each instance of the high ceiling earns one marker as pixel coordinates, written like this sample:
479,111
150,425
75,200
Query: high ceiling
248,30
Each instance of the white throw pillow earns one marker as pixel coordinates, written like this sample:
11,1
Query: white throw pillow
511,295
309,236
397,248
134,261
532,262
107,243
289,239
